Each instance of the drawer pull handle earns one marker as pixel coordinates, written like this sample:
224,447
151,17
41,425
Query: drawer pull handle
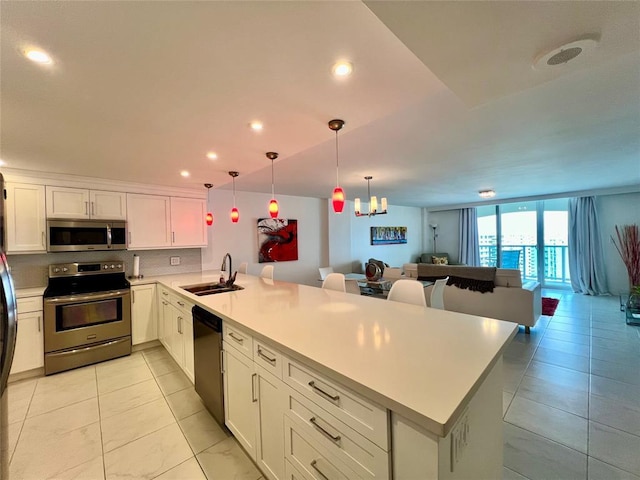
314,465
237,339
272,361
180,303
253,388
314,422
335,398
165,293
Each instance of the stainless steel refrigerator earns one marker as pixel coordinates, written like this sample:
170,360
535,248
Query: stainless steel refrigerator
8,330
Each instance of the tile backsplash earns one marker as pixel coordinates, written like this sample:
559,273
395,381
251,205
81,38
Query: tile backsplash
32,270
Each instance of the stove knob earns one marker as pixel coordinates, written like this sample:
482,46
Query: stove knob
65,269
105,267
113,266
119,265
56,270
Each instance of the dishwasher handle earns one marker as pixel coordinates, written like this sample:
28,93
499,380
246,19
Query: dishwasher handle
207,318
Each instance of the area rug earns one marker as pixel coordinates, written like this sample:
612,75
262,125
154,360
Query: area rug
549,305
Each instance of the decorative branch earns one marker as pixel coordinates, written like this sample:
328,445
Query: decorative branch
628,246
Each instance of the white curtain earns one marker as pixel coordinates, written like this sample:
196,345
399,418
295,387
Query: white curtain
469,252
586,260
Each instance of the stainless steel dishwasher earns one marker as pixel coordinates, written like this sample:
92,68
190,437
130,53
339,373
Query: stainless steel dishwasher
207,345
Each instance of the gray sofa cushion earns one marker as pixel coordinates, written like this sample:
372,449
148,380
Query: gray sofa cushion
477,279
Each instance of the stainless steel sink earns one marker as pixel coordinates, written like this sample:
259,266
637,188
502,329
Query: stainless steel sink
201,289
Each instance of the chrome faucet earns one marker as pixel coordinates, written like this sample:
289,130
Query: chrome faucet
223,268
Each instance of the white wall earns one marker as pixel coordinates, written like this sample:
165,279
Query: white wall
448,231
241,239
394,255
622,209
339,238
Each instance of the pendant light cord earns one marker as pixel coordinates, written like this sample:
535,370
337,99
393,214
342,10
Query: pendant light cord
273,195
233,179
337,164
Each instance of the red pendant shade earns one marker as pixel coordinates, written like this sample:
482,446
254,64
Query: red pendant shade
209,218
273,208
338,199
235,215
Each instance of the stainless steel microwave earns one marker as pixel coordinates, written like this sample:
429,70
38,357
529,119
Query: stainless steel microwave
81,235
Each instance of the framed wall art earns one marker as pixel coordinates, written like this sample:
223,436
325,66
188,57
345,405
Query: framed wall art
277,240
388,235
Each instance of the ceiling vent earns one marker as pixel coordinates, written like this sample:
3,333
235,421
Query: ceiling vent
565,53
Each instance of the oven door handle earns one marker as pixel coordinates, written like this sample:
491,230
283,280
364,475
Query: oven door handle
87,297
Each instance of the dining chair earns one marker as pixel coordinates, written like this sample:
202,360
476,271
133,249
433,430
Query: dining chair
334,281
351,286
267,272
243,267
408,291
437,293
324,271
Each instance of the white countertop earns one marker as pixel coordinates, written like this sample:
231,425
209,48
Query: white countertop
424,364
29,292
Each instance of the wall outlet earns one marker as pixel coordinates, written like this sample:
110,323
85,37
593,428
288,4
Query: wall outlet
175,260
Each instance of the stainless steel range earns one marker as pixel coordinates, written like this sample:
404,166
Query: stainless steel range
87,315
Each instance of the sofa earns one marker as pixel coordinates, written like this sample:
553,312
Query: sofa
510,300
428,258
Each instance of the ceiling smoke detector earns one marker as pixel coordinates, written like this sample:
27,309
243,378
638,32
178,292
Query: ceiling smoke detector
565,53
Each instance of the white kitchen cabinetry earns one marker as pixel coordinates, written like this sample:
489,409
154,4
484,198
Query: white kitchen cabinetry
188,226
255,399
29,352
25,218
78,203
176,332
148,221
144,325
165,222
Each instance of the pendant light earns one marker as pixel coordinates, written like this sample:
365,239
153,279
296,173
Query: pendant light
209,216
338,197
273,204
373,203
235,214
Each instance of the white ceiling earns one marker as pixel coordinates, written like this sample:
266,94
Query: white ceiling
443,100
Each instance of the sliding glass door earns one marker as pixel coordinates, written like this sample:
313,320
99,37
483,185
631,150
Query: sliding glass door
529,236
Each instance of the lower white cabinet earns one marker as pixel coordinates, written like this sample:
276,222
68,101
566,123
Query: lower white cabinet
144,326
176,329
255,401
29,352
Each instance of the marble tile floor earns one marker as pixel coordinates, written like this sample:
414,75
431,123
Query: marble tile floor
137,417
571,403
571,394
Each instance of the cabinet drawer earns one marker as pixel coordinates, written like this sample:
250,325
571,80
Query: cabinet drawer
29,304
365,417
181,304
242,341
291,472
268,358
359,454
311,459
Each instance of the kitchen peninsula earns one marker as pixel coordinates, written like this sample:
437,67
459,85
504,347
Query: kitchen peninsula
414,393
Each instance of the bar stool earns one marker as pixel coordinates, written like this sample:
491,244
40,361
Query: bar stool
334,281
267,272
407,291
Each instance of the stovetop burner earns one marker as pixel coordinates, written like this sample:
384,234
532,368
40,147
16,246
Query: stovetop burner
86,277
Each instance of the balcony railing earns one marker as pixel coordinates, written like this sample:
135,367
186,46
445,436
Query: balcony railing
556,261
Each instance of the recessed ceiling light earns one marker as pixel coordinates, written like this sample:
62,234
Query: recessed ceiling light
565,53
184,173
342,69
257,126
2,163
487,193
38,56
212,155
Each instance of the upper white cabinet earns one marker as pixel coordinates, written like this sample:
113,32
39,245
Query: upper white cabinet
25,218
148,221
156,221
188,226
78,203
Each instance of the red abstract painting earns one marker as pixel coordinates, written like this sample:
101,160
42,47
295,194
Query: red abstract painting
277,240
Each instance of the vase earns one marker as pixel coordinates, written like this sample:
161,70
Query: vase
632,307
